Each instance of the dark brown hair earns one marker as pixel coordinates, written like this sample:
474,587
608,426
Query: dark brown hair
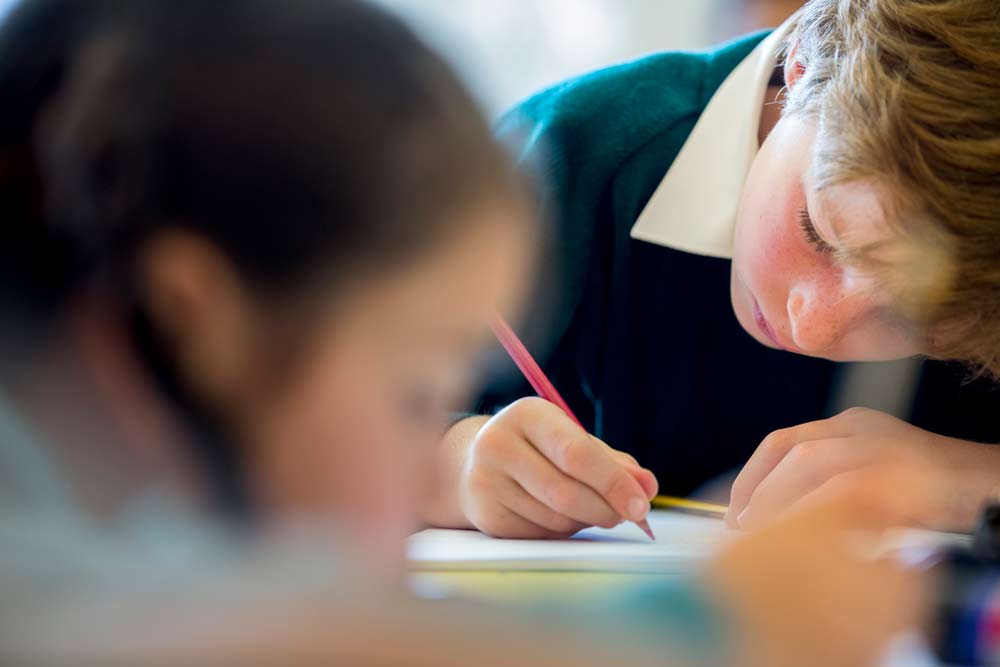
313,142
302,137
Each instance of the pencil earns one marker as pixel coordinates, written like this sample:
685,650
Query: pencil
539,382
672,502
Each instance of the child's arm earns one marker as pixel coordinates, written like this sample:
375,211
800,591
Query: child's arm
957,478
511,476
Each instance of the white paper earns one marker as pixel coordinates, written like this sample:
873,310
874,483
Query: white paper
682,541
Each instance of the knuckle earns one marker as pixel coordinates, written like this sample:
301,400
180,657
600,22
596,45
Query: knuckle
559,497
811,448
618,484
525,407
624,456
801,454
811,459
776,441
572,454
856,412
739,489
490,445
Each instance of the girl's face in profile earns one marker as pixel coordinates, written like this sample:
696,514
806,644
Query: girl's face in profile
789,289
355,433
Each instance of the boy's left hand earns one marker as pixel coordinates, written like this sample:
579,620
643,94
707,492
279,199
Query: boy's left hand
807,589
957,476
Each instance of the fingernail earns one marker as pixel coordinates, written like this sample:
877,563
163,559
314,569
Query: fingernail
741,519
638,509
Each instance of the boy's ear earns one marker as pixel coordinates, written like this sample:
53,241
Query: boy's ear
794,69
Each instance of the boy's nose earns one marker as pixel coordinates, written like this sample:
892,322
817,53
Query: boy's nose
820,317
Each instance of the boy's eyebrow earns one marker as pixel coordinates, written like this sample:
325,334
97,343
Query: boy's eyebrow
835,224
831,230
865,206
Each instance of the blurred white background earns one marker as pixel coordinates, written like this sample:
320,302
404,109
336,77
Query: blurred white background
507,49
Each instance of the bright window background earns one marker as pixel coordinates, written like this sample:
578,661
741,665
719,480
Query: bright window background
507,49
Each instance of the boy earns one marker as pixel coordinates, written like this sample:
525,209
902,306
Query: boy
853,187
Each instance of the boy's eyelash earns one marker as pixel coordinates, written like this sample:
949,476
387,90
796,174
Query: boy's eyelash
809,230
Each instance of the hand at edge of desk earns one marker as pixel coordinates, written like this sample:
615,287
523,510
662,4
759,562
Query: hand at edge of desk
955,476
800,591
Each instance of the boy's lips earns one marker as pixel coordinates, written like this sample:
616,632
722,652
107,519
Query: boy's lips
765,326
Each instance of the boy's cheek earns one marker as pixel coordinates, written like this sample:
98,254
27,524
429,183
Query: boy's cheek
764,266
775,254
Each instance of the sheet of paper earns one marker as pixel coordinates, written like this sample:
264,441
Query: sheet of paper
682,541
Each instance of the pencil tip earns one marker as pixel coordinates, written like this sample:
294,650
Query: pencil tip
646,529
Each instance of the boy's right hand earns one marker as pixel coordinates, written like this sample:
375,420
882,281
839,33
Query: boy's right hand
532,472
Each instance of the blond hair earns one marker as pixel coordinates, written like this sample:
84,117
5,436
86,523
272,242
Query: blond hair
906,94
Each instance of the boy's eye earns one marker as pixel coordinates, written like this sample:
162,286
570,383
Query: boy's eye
812,236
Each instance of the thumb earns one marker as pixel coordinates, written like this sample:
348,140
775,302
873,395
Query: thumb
645,478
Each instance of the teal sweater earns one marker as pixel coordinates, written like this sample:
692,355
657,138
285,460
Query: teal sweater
641,339
618,129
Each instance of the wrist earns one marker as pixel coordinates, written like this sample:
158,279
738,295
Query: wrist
972,478
443,508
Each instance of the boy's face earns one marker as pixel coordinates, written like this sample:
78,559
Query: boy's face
788,289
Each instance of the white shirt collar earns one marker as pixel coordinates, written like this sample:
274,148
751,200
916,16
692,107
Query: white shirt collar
694,207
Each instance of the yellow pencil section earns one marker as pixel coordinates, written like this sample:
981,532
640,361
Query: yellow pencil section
672,502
